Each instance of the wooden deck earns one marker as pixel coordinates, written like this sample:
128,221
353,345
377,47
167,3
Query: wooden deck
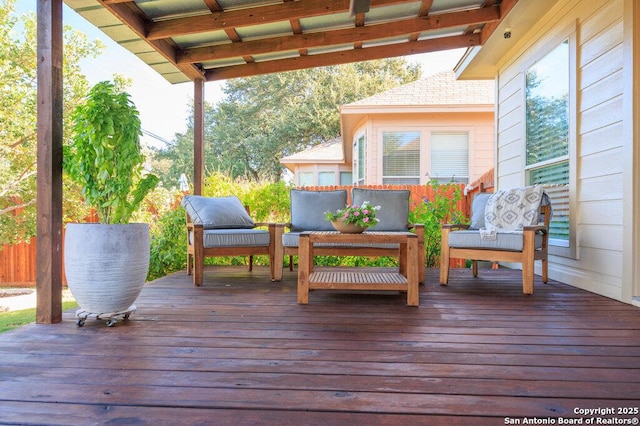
241,351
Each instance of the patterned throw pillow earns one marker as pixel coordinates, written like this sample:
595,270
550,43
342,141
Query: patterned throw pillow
513,209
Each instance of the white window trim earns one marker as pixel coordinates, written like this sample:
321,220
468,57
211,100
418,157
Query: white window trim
356,178
570,34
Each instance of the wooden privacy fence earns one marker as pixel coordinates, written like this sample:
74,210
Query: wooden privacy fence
18,261
419,193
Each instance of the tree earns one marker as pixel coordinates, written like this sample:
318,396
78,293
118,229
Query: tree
18,139
263,118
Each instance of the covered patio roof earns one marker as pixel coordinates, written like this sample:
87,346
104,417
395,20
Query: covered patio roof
208,40
187,40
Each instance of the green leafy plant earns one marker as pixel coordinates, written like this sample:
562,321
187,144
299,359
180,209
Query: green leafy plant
441,208
105,158
168,244
364,215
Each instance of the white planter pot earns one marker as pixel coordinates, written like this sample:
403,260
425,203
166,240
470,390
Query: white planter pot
106,265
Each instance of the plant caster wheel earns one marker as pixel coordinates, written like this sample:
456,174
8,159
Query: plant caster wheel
110,318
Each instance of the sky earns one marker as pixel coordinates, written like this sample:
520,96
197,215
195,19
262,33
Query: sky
164,107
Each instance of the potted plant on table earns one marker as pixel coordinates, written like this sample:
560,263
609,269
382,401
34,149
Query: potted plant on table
106,263
353,219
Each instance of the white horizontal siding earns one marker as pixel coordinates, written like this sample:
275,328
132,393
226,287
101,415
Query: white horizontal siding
598,212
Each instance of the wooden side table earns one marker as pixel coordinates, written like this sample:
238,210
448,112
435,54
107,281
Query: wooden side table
406,279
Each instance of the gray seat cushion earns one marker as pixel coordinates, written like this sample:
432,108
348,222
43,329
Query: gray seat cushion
235,238
308,208
504,241
394,207
217,212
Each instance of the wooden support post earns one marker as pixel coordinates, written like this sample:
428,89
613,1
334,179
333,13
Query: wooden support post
49,179
198,137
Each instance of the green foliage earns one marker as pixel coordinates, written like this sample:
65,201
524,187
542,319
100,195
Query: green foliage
269,202
106,158
433,213
18,139
168,244
266,117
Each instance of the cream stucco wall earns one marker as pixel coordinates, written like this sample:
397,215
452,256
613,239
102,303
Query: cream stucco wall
603,191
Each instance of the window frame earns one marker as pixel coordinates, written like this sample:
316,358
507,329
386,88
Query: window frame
466,133
558,247
359,143
419,157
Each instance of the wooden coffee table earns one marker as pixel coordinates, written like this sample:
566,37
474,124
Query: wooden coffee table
405,279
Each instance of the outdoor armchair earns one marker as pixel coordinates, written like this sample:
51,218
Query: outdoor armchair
507,226
221,226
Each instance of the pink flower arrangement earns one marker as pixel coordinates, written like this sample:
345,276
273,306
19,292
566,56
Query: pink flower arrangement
364,215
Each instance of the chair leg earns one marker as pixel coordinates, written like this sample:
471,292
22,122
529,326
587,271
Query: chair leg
545,270
527,279
290,263
189,264
198,274
474,267
278,253
527,261
250,263
198,255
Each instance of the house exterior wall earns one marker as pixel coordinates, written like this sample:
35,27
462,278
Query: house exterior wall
478,125
601,135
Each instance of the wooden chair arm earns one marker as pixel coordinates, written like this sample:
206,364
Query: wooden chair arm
536,228
453,226
267,224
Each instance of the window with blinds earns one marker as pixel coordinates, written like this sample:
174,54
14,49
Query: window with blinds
547,131
305,179
450,157
401,157
346,178
326,178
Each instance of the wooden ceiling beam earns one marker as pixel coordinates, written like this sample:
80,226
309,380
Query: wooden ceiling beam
337,37
134,18
250,16
337,58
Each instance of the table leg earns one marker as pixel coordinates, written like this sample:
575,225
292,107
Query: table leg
303,269
402,259
413,295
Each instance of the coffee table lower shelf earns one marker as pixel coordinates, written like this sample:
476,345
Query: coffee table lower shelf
357,280
352,280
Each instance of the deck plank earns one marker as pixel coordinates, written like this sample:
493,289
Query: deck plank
240,350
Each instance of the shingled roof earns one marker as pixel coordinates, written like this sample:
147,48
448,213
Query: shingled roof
438,89
330,151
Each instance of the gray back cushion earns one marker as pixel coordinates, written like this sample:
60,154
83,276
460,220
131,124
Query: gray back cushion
477,209
394,207
308,207
217,212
